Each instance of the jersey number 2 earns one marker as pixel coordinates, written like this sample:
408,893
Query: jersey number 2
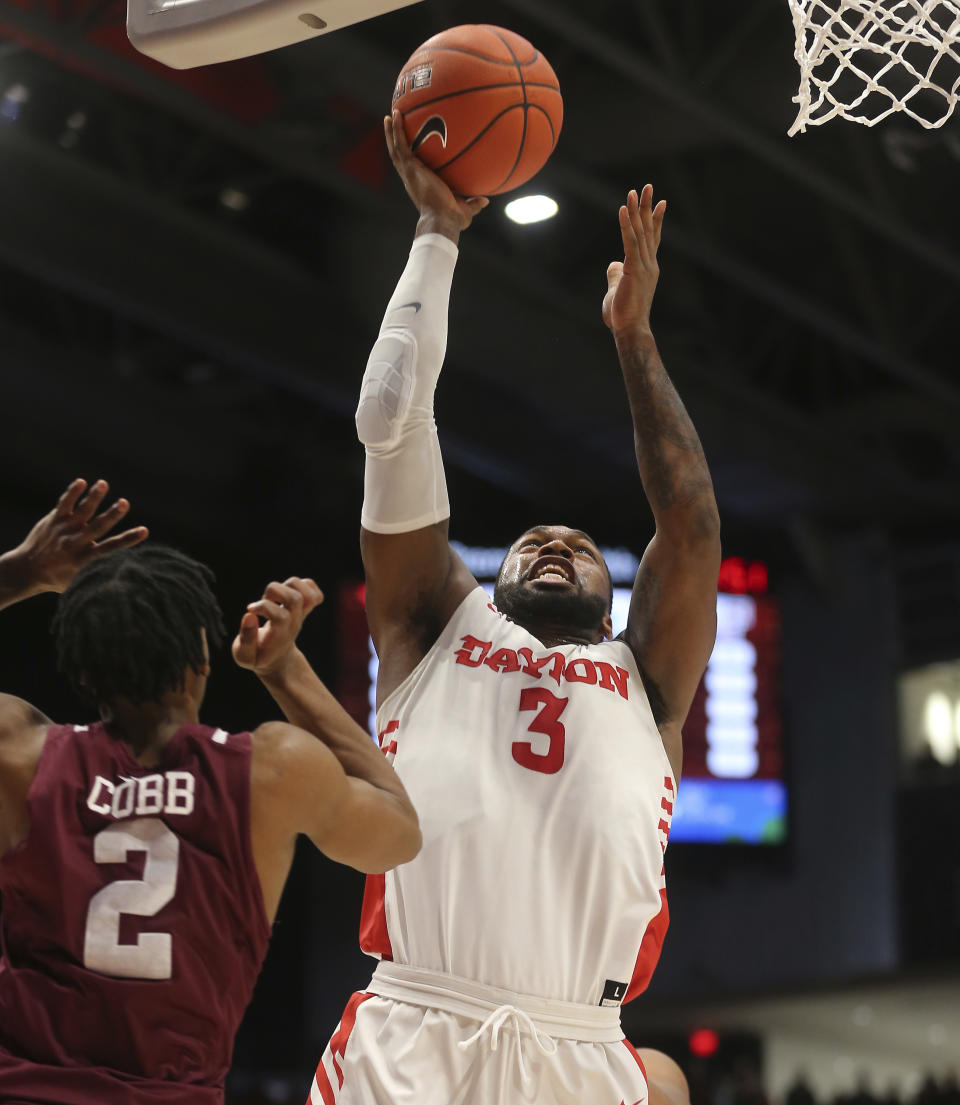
152,955
546,722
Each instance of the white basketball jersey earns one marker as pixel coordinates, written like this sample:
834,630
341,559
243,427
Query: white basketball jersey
545,797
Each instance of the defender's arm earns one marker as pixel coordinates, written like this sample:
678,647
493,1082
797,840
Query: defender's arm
672,622
23,730
55,549
270,651
298,786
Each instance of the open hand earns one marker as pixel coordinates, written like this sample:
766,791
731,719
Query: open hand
632,282
431,196
71,535
264,649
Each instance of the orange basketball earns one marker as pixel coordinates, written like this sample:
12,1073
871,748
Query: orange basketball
481,107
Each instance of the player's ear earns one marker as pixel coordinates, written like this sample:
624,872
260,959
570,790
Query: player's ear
607,626
204,668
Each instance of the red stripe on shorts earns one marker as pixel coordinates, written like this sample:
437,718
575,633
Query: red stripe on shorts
323,1085
633,1051
338,1046
643,1070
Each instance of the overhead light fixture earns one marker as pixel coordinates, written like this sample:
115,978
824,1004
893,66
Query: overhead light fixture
531,209
234,199
13,99
938,724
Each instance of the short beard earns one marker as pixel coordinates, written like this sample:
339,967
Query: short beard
573,610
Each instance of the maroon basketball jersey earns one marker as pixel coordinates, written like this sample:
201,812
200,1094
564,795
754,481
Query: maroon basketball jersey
133,926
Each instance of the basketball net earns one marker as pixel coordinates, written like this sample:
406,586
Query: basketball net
865,59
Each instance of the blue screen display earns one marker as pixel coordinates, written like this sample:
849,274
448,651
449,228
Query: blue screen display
730,811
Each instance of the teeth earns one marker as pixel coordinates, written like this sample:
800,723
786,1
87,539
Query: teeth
553,572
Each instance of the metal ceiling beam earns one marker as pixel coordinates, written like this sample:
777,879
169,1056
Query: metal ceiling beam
65,44
240,302
760,285
171,270
638,70
76,52
69,47
770,291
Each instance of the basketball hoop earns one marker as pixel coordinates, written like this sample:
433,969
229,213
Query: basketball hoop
187,33
866,59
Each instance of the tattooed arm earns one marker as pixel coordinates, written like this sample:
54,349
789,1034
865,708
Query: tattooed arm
673,613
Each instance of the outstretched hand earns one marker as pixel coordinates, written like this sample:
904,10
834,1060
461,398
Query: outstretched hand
71,535
632,282
264,649
430,195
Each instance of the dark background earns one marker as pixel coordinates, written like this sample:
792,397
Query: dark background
206,361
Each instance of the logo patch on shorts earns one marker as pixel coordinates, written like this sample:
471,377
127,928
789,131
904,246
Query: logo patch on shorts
613,992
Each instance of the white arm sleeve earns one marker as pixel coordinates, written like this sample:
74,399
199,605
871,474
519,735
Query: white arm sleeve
404,486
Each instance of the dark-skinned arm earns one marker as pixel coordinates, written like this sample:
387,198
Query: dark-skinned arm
672,622
269,650
55,549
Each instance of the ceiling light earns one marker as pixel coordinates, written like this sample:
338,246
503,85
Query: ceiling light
234,199
17,93
14,98
531,209
938,725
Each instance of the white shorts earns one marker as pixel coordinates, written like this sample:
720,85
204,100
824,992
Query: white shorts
387,1051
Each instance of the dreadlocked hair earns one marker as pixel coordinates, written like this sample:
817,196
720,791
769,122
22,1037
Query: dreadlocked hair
128,626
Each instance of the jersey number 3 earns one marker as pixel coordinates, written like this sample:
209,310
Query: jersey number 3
547,722
152,955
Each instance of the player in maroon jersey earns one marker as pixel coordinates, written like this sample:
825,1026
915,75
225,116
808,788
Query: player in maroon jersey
142,857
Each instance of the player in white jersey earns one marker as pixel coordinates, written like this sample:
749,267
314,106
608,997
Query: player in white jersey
542,756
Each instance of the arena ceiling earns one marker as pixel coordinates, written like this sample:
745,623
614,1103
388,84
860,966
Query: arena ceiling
193,266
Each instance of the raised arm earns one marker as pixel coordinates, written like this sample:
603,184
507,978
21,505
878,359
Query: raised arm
414,579
58,546
672,622
341,792
65,540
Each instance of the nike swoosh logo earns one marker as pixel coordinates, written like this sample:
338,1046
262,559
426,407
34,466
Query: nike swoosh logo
436,124
416,305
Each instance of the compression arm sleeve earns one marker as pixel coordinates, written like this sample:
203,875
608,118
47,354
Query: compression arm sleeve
404,485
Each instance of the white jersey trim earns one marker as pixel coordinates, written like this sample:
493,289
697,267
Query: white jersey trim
564,1020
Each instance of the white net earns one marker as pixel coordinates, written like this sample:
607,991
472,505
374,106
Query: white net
866,59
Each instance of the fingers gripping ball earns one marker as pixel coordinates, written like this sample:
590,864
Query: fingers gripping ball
481,107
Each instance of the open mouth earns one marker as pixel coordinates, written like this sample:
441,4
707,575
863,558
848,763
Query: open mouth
551,570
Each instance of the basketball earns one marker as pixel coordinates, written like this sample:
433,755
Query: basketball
481,107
